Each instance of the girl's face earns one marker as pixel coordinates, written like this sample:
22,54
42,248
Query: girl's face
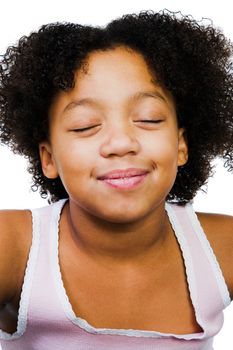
114,138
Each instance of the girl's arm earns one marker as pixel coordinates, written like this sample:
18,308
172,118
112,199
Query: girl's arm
219,231
14,245
7,258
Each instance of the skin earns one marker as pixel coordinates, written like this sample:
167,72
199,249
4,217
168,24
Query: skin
125,132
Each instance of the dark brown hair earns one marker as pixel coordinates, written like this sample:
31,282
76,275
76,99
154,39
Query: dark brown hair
192,60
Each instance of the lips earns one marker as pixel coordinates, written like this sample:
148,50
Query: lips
123,173
126,179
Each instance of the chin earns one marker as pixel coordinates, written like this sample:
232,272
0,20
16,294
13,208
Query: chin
123,217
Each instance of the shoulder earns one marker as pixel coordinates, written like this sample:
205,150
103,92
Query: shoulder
219,231
15,242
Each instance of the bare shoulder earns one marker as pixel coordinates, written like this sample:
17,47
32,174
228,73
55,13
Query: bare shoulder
15,241
219,231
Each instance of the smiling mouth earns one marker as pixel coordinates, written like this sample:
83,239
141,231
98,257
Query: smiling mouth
124,179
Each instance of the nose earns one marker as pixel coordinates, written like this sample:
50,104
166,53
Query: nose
119,141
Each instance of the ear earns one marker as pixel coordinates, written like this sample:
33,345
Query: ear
47,160
182,148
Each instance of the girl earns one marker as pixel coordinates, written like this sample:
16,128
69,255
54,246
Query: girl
120,125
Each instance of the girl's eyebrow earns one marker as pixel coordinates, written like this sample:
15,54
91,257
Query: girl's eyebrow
95,103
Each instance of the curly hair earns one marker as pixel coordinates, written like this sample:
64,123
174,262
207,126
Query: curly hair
190,59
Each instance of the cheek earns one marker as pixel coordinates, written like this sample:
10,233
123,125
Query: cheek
163,149
75,160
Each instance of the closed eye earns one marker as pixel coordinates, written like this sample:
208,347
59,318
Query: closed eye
150,121
85,129
81,130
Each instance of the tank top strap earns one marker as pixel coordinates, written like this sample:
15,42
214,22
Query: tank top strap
43,301
208,289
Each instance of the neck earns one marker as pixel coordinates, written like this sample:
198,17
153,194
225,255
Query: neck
118,242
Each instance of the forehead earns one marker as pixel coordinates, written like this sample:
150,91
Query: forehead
117,70
122,60
113,78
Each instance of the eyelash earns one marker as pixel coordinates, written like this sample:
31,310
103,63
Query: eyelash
85,129
140,121
151,121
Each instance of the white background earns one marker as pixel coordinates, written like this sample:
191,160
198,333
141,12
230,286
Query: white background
21,17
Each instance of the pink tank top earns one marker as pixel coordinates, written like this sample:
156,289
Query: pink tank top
46,320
